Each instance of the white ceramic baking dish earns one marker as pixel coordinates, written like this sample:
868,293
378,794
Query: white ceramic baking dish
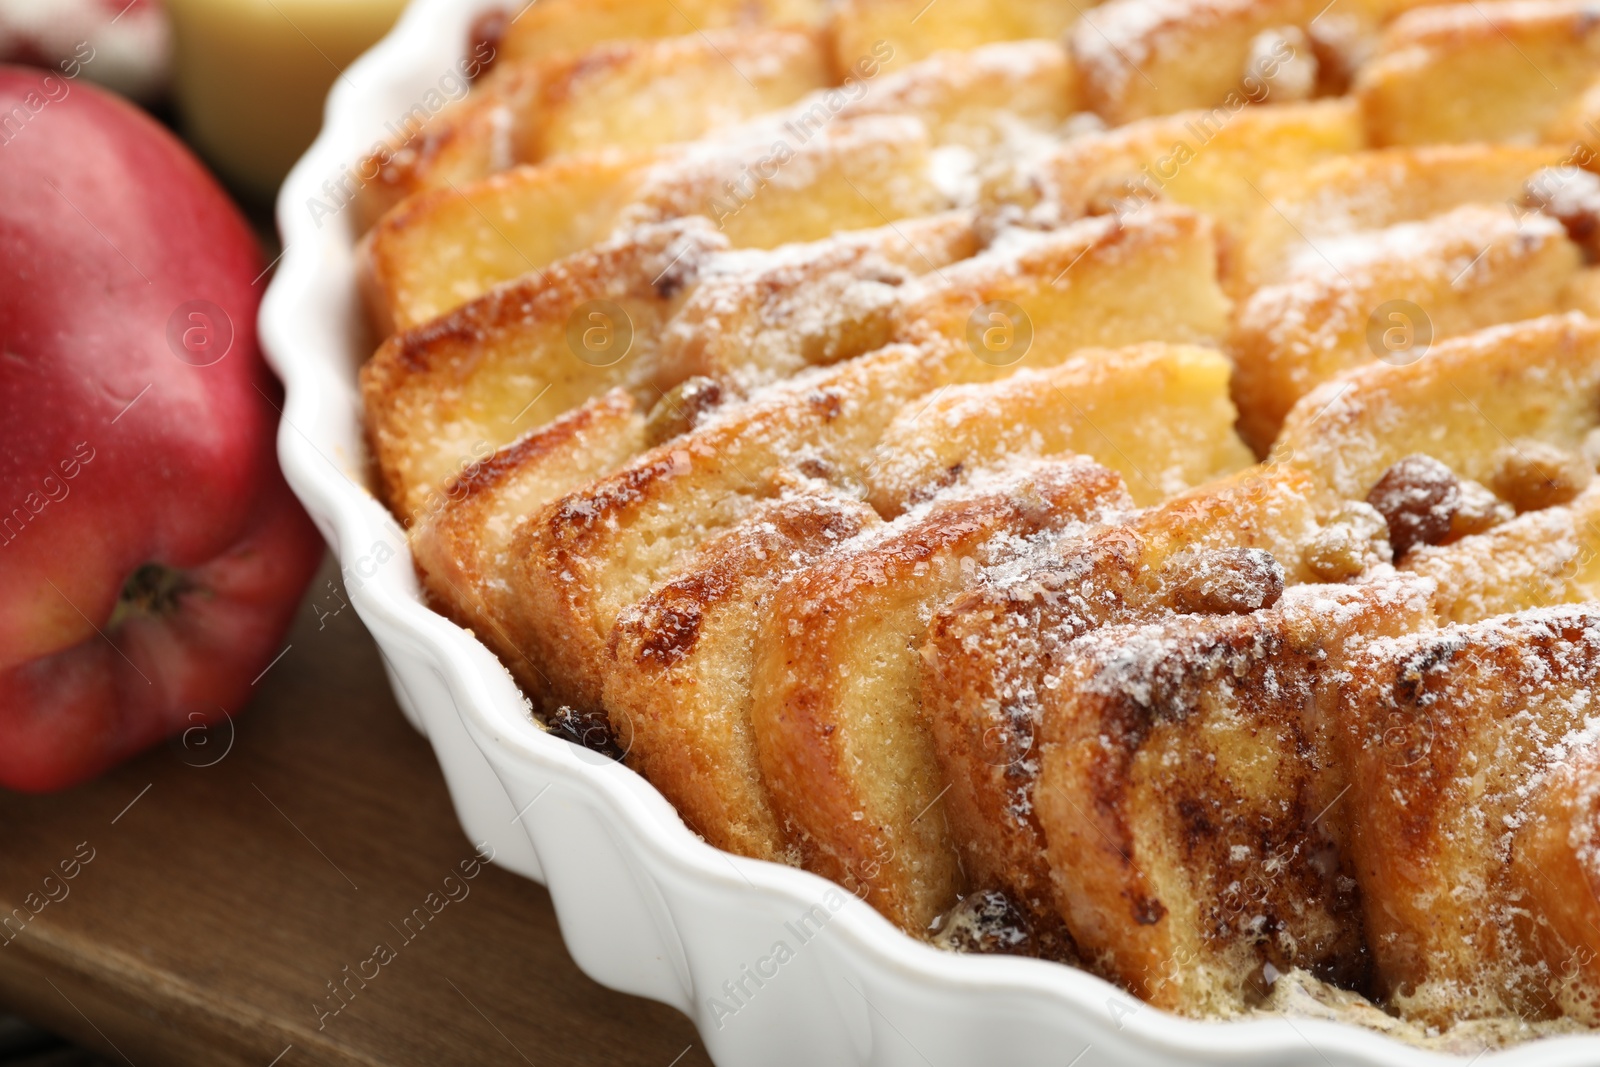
645,905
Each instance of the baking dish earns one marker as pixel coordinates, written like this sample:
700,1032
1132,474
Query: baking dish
776,966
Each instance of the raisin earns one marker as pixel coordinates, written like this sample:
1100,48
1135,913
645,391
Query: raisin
685,259
1339,49
681,408
484,36
1425,503
1571,196
586,729
1282,67
1231,581
987,921
1353,540
1533,475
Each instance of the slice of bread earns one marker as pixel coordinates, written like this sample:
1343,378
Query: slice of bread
1189,796
1341,199
446,246
1158,414
462,544
1443,735
994,651
1493,71
1389,295
1214,161
677,684
483,375
1466,404
834,698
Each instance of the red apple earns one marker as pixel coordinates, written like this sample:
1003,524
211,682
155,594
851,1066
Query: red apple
151,555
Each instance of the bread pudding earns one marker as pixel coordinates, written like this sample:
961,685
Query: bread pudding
1112,483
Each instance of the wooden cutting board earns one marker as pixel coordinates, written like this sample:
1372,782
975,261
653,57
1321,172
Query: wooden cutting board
217,888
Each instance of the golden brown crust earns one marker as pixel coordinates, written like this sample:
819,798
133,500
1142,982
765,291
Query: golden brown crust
834,694
1478,72
677,682
1461,404
477,378
990,652
1441,735
461,543
1389,297
1183,790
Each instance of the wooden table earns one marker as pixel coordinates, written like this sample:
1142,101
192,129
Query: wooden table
230,885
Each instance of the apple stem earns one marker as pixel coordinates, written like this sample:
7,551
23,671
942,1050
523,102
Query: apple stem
153,589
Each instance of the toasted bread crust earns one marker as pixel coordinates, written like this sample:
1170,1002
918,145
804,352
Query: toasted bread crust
677,686
1441,734
849,763
1470,268
1537,380
492,369
461,546
991,652
1182,789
